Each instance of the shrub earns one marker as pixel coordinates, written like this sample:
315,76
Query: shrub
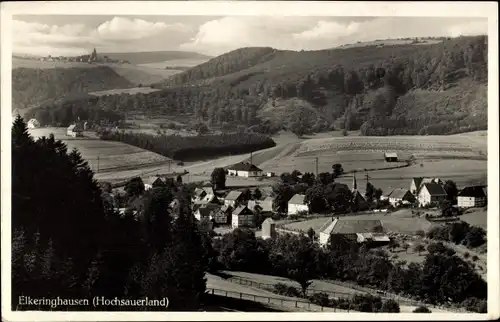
320,299
285,290
466,255
422,309
390,306
475,258
420,233
473,304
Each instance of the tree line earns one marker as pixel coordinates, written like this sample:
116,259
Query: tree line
441,278
68,240
193,147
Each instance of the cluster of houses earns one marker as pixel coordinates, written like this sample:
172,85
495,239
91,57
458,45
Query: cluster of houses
430,191
90,58
74,130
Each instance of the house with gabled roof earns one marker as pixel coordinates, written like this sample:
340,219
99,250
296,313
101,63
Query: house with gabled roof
358,230
233,198
431,193
242,217
206,211
417,182
153,182
472,196
223,215
244,169
74,130
297,204
400,195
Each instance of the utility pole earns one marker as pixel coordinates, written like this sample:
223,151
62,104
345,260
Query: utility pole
97,164
367,177
251,157
316,166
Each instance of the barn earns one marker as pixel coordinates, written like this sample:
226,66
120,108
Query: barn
244,169
390,157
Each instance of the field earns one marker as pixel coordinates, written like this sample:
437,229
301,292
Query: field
131,91
398,222
461,158
390,42
476,217
175,63
113,156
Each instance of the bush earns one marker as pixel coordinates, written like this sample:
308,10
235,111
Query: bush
466,255
420,233
475,258
320,299
422,309
390,306
473,304
285,290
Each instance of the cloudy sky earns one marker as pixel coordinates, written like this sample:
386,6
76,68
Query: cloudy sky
214,35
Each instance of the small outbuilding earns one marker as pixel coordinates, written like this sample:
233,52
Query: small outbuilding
390,157
75,130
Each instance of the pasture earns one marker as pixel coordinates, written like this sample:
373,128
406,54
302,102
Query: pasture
130,91
113,156
476,217
175,63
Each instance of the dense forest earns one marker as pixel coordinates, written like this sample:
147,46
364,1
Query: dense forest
69,242
381,90
194,147
33,87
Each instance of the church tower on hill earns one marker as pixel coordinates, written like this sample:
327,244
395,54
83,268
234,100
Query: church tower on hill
93,56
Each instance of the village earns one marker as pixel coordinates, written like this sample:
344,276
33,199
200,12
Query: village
222,210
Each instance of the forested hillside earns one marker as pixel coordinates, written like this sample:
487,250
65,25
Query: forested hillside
382,90
32,87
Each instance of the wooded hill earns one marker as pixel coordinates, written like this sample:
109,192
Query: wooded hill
33,87
382,90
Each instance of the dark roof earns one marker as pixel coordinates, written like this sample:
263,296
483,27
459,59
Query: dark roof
473,191
244,166
435,189
418,181
75,128
241,211
205,210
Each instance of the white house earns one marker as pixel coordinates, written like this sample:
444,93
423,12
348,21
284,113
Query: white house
297,204
33,124
431,193
400,195
268,229
417,182
244,169
233,198
242,217
472,196
206,211
75,130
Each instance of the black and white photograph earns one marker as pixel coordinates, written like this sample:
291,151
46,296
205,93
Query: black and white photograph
204,157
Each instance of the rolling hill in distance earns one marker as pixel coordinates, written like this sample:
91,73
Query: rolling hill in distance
138,58
411,88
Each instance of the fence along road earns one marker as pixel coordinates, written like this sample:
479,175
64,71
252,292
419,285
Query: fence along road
360,291
294,305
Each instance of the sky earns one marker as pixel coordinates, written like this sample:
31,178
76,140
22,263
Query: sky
215,35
